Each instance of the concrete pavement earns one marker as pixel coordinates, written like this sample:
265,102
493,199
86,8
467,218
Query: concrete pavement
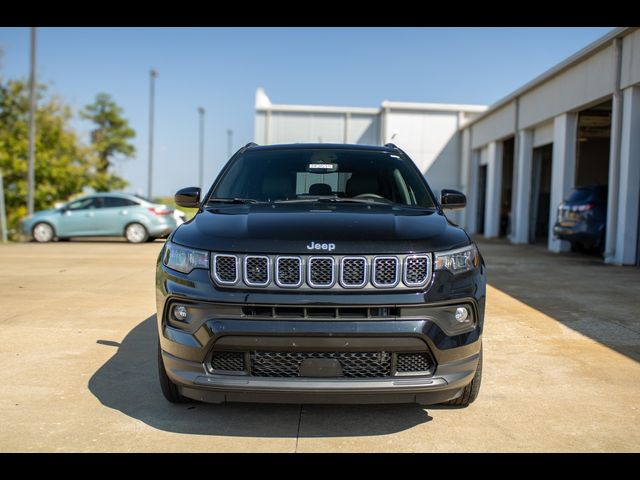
77,350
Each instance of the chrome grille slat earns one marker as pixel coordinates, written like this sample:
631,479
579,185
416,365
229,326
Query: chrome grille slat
225,269
385,272
320,272
289,272
257,270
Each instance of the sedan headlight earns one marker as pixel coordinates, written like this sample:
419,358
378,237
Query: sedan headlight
184,259
459,260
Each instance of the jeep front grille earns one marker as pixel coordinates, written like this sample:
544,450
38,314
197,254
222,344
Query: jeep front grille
331,272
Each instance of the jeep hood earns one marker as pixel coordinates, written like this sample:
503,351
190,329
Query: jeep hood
353,229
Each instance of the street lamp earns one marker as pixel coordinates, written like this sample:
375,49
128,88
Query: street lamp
153,73
31,162
201,170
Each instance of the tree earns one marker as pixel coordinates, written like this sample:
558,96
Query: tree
63,167
109,139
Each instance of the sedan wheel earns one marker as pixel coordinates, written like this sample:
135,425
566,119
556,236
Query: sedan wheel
42,232
136,233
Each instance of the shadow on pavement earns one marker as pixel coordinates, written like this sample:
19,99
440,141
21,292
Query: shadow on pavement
597,300
128,382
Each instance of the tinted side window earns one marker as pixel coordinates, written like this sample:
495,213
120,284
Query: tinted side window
114,202
82,204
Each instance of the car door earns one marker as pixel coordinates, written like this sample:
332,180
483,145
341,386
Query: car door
115,214
78,217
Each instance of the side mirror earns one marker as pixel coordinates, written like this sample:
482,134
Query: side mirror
452,199
188,197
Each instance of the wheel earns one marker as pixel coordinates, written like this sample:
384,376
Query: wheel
136,233
169,389
470,392
42,232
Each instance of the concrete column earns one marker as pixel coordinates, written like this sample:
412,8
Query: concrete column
629,181
465,171
471,210
494,190
563,165
522,193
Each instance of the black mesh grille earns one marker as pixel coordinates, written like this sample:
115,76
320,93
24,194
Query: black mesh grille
416,270
289,271
414,362
353,271
226,268
354,364
257,270
321,271
232,361
386,271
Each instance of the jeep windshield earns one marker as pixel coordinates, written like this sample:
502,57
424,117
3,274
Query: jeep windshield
322,175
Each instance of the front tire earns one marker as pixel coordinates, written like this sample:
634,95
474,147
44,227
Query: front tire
136,233
169,389
42,232
470,392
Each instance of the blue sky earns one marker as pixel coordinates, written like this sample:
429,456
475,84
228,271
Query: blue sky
220,69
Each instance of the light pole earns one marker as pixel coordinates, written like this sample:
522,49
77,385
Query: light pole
31,180
153,73
229,142
201,170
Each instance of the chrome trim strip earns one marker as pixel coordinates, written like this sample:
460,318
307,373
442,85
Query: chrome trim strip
365,274
246,275
277,272
428,272
333,271
373,272
215,270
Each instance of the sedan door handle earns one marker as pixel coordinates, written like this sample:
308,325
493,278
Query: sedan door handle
124,212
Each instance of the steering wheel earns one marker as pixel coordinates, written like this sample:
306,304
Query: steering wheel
370,195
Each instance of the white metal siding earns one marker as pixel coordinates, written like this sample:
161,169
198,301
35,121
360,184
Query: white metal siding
363,129
495,126
543,134
587,81
630,59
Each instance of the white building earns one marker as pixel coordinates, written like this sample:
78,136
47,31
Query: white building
576,124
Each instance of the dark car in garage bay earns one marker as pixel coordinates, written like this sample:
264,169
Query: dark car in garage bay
582,218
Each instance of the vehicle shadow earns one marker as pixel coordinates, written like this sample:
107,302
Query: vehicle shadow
128,382
579,291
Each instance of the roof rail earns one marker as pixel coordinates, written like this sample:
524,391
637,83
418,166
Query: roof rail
250,145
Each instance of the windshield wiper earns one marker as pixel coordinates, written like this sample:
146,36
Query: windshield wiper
326,200
231,200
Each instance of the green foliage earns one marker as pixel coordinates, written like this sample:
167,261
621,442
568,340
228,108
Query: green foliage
111,135
63,166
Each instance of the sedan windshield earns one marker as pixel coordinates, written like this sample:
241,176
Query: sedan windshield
307,175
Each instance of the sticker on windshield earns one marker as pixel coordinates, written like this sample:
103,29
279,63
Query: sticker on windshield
322,167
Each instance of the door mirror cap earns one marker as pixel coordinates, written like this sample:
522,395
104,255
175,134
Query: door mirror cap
452,199
188,197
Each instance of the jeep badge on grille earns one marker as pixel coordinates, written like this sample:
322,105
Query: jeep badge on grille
321,246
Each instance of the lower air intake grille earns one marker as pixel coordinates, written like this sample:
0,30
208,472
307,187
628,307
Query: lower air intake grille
414,362
354,364
232,361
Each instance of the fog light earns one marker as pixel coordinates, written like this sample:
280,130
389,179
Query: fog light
462,314
180,313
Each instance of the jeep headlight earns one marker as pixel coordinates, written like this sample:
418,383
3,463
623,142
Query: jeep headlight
184,259
459,260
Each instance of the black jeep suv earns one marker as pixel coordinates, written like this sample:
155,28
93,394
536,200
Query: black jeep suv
320,273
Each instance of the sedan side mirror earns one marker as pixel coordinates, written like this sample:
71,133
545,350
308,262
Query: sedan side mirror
452,199
188,197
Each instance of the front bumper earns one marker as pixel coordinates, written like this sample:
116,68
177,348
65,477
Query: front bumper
223,324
